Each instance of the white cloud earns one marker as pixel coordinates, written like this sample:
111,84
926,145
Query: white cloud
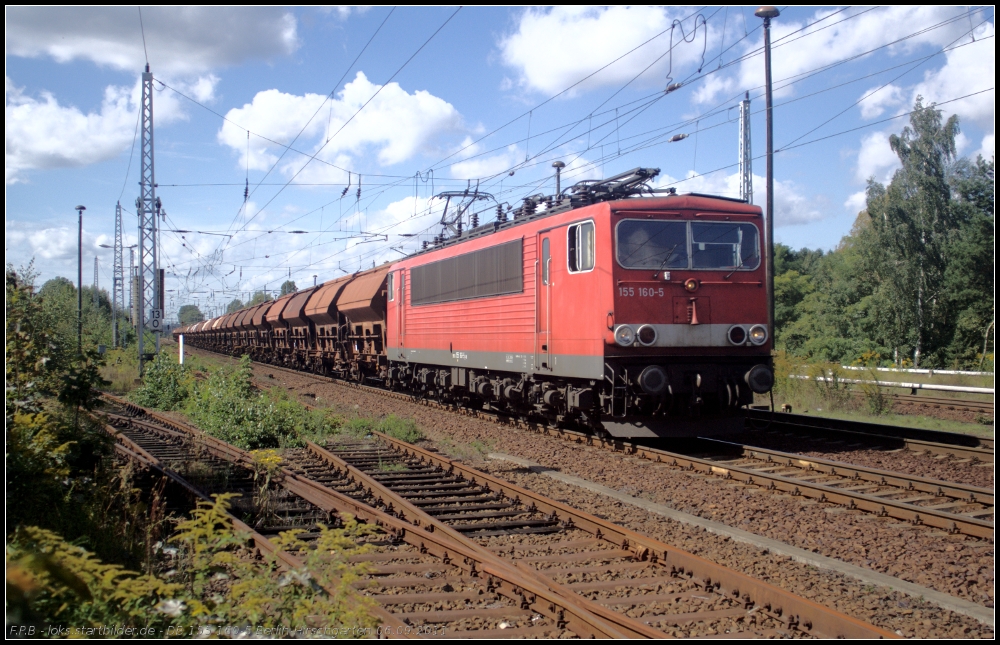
54,249
989,146
878,100
817,46
876,159
856,202
713,86
791,206
180,40
41,133
966,70
399,125
487,165
553,48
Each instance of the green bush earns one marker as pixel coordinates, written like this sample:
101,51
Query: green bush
228,406
360,426
211,585
165,384
402,429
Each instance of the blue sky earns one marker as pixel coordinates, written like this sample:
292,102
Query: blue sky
456,97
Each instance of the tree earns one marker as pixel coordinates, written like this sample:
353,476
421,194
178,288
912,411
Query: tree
288,287
190,314
259,298
968,278
234,306
911,222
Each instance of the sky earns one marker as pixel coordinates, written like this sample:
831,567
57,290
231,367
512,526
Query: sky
306,143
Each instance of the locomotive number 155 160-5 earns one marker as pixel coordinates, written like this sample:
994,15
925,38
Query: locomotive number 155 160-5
641,292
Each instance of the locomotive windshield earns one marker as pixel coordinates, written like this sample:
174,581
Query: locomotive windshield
652,244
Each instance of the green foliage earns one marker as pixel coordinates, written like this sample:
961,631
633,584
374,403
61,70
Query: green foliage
402,429
165,384
228,406
234,305
259,298
50,581
360,427
215,582
51,449
121,370
60,304
258,593
288,287
913,281
190,314
876,397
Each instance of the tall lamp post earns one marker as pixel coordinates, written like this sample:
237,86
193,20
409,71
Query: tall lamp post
767,13
79,283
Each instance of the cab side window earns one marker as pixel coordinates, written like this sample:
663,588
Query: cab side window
545,261
581,247
392,286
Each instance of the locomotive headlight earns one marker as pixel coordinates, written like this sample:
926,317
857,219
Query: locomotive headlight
624,336
758,334
737,335
647,335
691,285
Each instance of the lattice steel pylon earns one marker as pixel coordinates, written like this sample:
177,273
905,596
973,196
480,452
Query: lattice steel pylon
147,207
746,163
117,276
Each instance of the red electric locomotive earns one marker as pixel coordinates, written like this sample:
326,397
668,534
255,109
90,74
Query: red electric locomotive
614,307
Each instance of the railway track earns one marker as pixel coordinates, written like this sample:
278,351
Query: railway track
878,435
943,403
953,507
480,557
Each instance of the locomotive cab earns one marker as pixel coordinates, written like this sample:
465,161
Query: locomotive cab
687,341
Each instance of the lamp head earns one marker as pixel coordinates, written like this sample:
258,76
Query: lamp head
767,12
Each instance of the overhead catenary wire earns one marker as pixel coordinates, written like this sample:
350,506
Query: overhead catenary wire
624,151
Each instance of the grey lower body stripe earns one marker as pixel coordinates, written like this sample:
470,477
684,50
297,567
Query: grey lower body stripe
984,615
567,365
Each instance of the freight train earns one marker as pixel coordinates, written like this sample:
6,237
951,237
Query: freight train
626,310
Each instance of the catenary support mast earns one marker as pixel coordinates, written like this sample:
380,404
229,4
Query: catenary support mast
149,318
746,163
118,276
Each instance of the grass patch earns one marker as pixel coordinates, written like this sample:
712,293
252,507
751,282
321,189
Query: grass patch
909,421
400,428
121,370
869,403
473,451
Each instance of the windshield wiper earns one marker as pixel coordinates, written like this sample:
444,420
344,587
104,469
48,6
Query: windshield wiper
739,266
670,254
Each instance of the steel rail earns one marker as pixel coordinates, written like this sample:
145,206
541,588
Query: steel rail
130,450
850,499
958,445
776,602
792,611
418,517
521,590
910,483
940,402
831,494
